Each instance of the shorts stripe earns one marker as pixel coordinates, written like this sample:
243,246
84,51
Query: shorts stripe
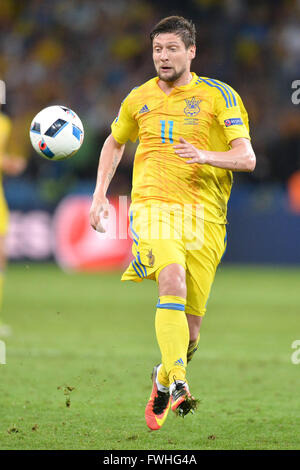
131,228
143,266
136,269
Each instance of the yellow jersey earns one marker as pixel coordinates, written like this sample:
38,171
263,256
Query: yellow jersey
207,113
5,131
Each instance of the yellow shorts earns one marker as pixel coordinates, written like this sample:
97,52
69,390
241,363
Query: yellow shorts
3,216
162,236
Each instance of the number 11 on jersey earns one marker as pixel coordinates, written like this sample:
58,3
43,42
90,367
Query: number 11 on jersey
163,131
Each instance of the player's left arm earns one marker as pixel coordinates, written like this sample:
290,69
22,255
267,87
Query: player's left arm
240,157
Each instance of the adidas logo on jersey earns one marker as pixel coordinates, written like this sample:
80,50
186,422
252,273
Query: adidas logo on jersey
179,362
144,109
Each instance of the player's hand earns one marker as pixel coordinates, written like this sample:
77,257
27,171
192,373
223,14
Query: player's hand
187,150
99,210
13,166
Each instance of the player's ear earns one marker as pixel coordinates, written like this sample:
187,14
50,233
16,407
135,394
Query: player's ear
192,52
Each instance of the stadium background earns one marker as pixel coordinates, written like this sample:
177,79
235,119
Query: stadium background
65,53
83,344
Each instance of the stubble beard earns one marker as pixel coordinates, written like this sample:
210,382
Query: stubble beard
171,78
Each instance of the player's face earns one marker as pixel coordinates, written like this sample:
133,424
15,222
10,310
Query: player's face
170,56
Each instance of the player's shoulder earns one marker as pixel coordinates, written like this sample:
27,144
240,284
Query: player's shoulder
139,91
219,89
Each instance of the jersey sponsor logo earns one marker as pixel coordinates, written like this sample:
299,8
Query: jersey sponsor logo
144,109
233,122
192,106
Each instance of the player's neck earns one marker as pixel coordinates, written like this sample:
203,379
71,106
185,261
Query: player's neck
167,87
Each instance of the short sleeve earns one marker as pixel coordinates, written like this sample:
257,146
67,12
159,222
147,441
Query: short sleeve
231,113
124,127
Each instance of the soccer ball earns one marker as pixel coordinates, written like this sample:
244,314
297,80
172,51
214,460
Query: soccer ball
56,133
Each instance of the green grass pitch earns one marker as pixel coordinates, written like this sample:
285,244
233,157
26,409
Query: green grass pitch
83,346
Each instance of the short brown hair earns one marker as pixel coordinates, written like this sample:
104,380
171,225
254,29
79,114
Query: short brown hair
178,25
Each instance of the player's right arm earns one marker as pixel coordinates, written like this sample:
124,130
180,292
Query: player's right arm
110,157
123,128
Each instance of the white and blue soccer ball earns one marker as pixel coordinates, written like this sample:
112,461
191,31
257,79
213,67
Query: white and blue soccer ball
56,133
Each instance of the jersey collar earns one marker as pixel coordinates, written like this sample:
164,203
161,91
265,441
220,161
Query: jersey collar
181,87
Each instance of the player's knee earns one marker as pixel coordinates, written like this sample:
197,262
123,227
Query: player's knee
171,281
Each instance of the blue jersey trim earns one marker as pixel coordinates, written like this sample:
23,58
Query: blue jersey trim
219,88
227,89
222,87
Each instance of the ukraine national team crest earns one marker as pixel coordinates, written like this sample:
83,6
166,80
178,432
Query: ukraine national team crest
192,107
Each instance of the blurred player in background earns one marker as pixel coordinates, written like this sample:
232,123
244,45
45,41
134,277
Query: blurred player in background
11,165
193,132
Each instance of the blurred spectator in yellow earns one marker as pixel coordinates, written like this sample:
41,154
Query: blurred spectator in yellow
11,165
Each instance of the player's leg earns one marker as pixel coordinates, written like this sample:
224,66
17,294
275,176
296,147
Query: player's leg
153,254
172,331
172,335
194,322
162,258
170,322
201,268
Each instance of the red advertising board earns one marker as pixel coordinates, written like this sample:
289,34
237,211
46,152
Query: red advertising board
79,247
68,237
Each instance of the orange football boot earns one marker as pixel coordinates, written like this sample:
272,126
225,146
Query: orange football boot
158,406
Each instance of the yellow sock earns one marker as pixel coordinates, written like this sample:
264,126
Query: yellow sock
162,374
172,334
193,346
163,377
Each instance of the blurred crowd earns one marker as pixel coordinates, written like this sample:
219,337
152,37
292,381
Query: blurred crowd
88,54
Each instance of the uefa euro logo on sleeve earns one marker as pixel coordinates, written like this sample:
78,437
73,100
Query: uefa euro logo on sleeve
192,107
233,122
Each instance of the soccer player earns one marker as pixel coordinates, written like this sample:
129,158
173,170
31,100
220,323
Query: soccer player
193,132
11,165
